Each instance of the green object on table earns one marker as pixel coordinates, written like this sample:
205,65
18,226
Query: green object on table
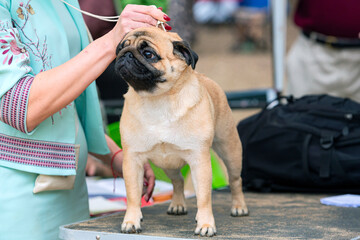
120,4
160,174
219,178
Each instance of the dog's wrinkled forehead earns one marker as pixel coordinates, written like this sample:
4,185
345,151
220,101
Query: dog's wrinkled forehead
138,35
152,35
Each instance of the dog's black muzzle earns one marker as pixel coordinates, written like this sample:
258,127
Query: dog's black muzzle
139,74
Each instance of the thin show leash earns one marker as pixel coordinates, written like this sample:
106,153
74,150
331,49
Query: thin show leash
108,18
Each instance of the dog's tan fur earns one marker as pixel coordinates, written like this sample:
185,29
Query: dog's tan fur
174,125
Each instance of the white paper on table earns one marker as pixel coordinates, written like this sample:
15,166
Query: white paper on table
105,187
102,205
346,200
162,187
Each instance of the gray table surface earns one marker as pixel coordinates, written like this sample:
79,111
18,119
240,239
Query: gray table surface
272,216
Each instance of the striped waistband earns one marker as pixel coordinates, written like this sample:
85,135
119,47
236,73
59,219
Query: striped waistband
38,154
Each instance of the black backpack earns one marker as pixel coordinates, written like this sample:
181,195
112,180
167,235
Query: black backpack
310,144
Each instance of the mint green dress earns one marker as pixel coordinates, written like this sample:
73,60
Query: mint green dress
23,214
38,216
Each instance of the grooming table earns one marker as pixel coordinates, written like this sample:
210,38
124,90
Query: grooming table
272,216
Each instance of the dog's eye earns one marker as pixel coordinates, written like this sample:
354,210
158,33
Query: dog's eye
148,54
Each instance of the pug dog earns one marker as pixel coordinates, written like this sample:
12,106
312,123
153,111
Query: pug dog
173,115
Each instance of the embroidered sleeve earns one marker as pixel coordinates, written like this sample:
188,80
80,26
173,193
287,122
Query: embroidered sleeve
14,103
15,73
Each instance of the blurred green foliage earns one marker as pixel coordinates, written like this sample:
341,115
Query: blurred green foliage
120,4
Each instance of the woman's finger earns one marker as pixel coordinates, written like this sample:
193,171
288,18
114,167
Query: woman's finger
139,17
150,188
150,181
168,27
149,10
134,25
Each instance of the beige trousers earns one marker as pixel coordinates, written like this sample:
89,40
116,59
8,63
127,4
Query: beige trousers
314,68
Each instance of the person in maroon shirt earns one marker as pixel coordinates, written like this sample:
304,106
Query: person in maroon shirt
329,17
325,58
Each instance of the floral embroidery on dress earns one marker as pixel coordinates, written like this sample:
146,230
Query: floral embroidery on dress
38,49
20,13
11,49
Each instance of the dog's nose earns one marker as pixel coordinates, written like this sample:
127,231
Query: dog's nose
129,55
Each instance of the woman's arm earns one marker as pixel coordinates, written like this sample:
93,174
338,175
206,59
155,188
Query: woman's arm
54,89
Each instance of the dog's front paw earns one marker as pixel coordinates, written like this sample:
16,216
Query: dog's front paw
131,223
205,230
177,209
239,211
130,227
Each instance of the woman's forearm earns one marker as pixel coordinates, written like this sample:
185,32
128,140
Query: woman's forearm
67,81
115,154
113,149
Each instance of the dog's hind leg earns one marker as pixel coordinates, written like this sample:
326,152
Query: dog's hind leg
177,206
229,149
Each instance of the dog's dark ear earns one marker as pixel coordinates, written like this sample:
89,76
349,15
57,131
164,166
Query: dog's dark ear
182,48
118,48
